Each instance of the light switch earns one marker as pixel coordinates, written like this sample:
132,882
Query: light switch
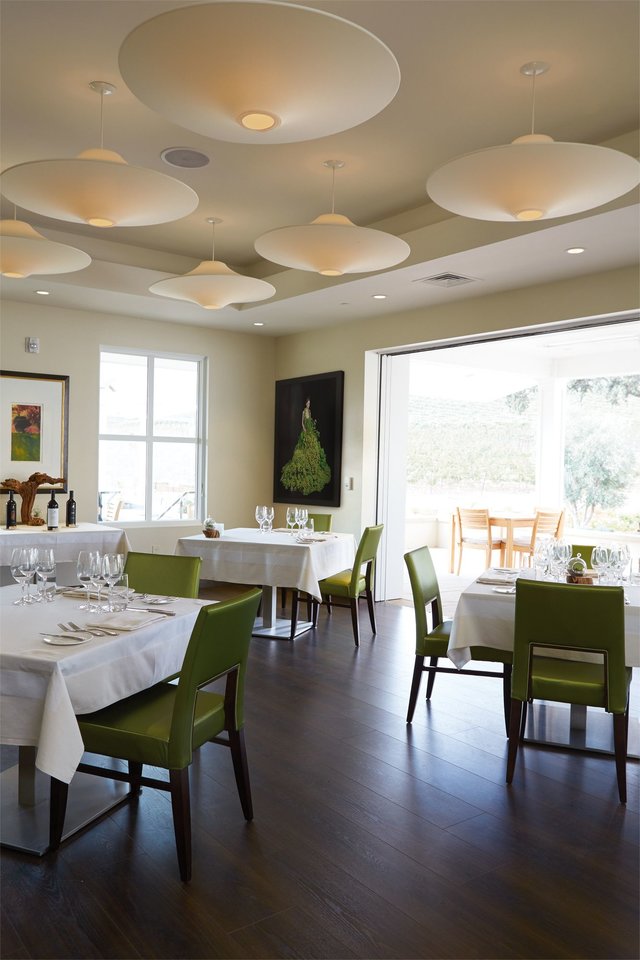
32,345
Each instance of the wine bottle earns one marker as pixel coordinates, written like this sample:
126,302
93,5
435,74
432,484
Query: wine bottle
52,512
71,511
11,512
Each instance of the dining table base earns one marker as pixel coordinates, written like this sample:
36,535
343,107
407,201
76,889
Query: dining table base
24,805
571,728
269,625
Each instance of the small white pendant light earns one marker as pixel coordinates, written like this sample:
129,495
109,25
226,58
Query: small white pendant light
258,72
212,284
25,252
534,177
331,244
98,187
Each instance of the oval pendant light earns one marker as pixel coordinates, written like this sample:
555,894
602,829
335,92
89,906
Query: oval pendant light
25,252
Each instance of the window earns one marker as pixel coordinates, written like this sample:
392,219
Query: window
151,453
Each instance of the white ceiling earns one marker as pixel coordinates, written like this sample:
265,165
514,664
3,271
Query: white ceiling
460,90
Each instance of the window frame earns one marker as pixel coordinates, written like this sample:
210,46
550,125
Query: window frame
149,438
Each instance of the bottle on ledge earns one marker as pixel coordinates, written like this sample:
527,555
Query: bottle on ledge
52,512
11,512
71,511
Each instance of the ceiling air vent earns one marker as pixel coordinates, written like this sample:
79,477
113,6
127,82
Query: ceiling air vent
447,280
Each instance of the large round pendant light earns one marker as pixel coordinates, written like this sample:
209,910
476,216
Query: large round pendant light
534,177
24,252
259,72
98,187
213,285
331,244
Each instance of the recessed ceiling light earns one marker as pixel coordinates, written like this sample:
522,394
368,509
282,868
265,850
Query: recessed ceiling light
575,250
42,293
379,296
257,323
258,120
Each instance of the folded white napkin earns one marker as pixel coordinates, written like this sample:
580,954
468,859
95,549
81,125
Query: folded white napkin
502,579
127,620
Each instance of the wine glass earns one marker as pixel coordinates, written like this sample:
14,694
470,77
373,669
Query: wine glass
291,518
268,519
542,558
600,561
29,565
561,554
302,515
86,558
45,571
619,560
261,516
112,569
98,579
18,573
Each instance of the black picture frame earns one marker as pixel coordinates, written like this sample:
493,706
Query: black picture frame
322,439
49,392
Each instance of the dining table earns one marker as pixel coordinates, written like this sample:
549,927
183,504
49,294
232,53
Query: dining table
48,676
485,617
508,522
272,559
66,542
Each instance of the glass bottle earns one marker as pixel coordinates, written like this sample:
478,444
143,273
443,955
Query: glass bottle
52,512
11,512
71,511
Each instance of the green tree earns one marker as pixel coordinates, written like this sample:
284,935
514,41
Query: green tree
597,471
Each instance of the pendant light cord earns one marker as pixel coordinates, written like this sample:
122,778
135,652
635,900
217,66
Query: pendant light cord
533,101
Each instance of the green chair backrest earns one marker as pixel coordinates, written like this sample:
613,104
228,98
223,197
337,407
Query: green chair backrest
219,643
366,553
424,589
573,617
322,521
163,574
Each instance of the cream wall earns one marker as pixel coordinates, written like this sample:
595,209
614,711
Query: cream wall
353,347
240,410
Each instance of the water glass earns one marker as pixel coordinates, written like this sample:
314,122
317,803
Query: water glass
268,519
87,559
119,594
28,566
112,570
291,518
261,516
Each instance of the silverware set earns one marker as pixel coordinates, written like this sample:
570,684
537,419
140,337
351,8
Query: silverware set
72,627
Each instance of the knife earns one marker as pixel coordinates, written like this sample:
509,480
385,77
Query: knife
162,613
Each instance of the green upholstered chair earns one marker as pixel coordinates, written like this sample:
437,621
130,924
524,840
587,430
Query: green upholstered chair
163,725
322,523
350,585
163,574
556,618
432,640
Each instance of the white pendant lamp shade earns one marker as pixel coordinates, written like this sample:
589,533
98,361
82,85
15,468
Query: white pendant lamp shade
332,245
24,252
533,178
212,284
98,188
258,72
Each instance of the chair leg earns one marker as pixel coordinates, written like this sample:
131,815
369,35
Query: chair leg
355,622
283,597
415,687
431,679
181,809
57,811
241,771
372,611
459,560
506,694
315,610
620,747
294,613
135,772
327,603
514,736
523,725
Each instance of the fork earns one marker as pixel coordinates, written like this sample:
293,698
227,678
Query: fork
72,627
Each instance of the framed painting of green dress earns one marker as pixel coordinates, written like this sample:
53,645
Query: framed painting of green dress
34,425
308,440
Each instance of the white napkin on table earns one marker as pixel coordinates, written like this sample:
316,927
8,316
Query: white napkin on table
499,577
127,620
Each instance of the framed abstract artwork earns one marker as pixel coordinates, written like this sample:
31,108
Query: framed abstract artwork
308,440
34,426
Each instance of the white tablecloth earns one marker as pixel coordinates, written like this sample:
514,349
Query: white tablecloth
67,542
244,555
43,687
484,618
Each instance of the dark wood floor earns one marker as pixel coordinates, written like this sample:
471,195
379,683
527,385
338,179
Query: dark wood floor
370,839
